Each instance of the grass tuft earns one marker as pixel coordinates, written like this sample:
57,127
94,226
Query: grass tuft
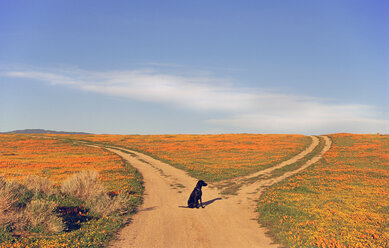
40,216
83,185
38,185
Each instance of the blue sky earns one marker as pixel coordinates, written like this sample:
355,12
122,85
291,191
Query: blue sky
150,67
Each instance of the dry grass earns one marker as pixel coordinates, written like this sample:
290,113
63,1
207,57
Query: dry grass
32,208
22,214
7,214
86,186
37,214
40,214
7,202
39,185
83,185
103,205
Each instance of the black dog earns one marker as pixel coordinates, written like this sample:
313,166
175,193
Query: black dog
195,197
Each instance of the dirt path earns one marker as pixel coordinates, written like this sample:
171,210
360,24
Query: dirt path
164,221
256,189
266,172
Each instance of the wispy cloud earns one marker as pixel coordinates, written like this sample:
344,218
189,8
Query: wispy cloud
191,67
255,109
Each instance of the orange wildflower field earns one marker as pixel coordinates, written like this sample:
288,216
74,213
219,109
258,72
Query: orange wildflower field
341,201
212,157
23,155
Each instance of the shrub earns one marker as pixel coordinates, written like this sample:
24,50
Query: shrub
99,205
8,202
12,188
7,213
86,186
39,185
39,216
83,185
19,211
103,205
123,204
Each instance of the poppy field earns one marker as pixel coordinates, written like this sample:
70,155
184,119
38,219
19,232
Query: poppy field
54,161
341,201
22,155
212,157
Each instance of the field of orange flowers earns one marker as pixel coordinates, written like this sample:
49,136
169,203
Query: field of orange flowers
212,157
22,155
342,201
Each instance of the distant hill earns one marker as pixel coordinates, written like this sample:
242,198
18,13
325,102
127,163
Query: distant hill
37,131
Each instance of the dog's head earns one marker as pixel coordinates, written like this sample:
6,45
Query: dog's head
200,184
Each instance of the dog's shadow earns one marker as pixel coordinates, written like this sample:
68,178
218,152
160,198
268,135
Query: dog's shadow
211,201
205,203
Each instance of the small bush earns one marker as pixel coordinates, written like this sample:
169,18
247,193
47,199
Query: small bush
39,216
83,185
86,186
39,185
12,188
19,211
7,213
103,205
99,205
123,204
8,202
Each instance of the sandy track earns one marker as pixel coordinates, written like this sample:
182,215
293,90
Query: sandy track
256,189
268,171
164,221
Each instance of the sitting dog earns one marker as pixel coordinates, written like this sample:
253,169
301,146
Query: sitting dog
195,197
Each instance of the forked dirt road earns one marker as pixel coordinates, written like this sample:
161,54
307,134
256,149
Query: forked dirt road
164,221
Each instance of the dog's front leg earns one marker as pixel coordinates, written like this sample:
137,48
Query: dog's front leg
201,202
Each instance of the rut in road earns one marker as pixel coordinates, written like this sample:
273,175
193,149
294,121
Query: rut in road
164,221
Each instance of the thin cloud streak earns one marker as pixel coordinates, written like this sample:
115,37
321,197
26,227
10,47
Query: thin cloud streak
259,110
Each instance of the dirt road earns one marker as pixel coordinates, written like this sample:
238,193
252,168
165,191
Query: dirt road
164,221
